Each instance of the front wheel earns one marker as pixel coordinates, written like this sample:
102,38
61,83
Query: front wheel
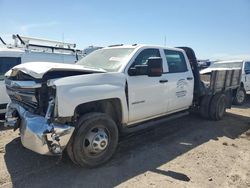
240,96
95,140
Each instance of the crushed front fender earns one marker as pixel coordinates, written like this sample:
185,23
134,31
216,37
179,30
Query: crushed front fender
35,131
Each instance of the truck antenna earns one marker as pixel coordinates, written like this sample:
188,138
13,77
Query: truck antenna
63,44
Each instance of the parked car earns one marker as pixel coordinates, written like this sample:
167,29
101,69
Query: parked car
12,55
202,64
83,108
239,94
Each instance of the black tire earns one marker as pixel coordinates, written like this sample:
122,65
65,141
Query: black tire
69,150
91,124
240,96
217,107
205,106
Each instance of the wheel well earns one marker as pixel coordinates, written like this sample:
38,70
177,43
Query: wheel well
242,85
235,90
111,107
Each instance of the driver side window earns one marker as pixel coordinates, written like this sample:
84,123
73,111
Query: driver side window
142,58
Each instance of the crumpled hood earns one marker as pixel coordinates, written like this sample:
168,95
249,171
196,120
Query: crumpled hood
38,69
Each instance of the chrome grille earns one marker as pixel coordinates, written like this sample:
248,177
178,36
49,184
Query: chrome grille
25,96
23,93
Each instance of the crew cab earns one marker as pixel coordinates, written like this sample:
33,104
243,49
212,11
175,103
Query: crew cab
239,95
83,108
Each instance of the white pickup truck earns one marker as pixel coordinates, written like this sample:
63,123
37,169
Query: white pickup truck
83,108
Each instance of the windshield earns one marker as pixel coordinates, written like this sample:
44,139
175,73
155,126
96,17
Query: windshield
107,59
227,65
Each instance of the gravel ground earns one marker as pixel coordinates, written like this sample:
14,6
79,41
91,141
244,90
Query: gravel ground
185,152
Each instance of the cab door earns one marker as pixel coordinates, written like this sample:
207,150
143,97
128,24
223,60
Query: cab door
180,81
146,95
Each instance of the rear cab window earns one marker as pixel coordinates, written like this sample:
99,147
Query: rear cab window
6,63
176,61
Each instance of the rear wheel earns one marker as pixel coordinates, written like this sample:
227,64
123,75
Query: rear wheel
240,96
204,107
217,107
94,141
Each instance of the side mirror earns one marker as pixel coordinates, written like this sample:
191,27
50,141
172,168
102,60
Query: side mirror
154,66
247,71
138,70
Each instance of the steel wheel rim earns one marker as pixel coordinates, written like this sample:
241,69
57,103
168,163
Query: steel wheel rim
240,96
96,141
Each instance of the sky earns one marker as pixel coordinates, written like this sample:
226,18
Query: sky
215,29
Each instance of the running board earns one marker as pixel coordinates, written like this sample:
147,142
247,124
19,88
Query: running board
152,123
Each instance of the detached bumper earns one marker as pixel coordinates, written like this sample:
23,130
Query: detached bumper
36,134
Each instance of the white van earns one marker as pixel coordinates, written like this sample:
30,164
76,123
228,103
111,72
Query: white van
24,51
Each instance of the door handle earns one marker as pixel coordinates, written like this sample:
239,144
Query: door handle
163,81
189,78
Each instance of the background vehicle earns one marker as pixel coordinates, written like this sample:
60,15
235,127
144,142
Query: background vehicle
239,94
85,107
205,63
90,49
27,49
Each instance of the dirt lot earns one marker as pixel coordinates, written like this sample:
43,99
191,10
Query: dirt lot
185,152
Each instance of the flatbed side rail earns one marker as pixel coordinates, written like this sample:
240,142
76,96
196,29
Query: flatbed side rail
224,80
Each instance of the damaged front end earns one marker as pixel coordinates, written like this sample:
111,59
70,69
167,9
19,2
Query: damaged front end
32,111
37,134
